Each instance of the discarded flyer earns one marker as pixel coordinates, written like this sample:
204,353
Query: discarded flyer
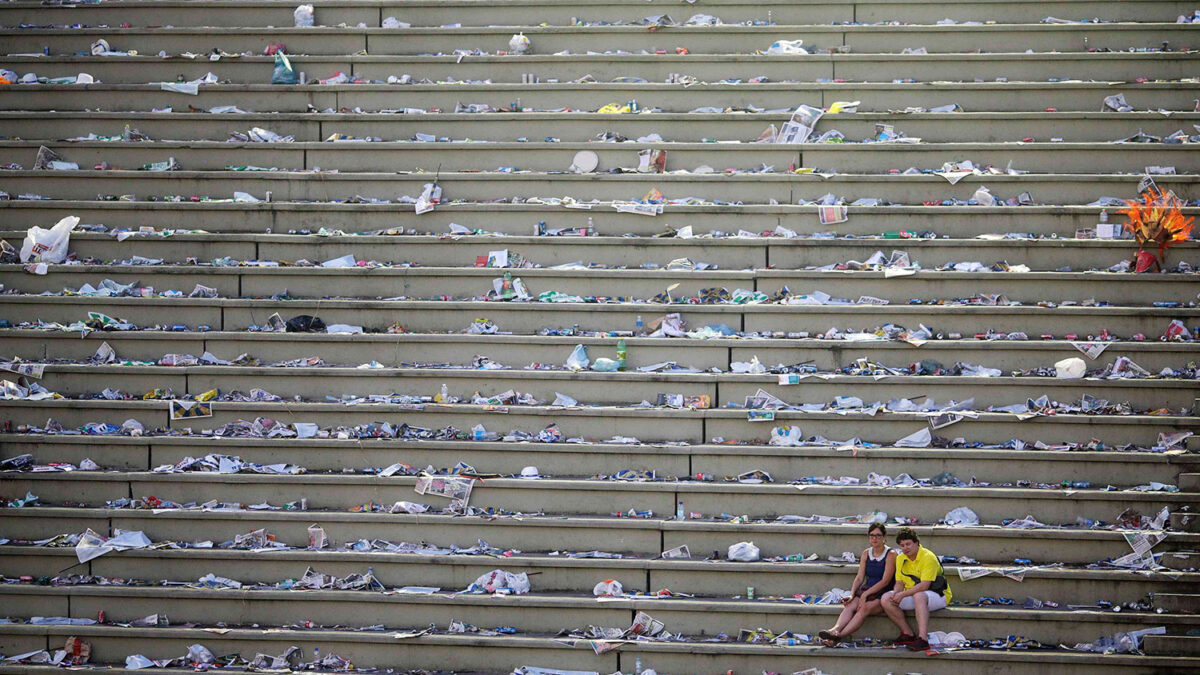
800,127
644,624
1091,349
944,420
183,410
35,370
677,552
457,490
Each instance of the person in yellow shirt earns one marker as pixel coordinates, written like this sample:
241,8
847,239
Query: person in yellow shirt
920,586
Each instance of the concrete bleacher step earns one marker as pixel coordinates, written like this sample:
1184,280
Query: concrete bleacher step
560,574
724,39
1079,158
597,498
962,222
640,536
1172,645
538,613
599,423
485,654
603,388
722,461
961,127
435,316
1072,96
464,283
1015,67
1051,188
1177,601
726,253
517,351
499,12
569,509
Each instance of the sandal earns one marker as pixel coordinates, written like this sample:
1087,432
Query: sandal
828,636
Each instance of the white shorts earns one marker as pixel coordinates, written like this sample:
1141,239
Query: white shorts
936,601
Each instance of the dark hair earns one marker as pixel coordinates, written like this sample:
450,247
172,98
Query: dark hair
907,534
877,526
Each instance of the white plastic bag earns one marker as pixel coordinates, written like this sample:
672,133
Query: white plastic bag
1070,369
962,516
787,47
518,44
984,197
787,437
744,551
304,16
496,580
944,639
578,360
49,246
608,588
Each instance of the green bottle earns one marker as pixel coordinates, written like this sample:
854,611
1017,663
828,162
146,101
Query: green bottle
621,354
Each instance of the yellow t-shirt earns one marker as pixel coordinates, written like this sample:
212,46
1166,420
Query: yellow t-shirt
926,567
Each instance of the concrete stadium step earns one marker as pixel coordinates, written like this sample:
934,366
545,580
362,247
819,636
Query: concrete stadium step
421,316
583,459
1078,158
728,253
483,654
962,127
546,39
578,575
638,536
1177,602
748,187
341,492
515,351
601,388
878,97
464,283
1177,645
959,222
598,423
1032,67
440,12
544,614
723,254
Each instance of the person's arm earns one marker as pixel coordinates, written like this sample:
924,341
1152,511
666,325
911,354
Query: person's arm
889,572
917,588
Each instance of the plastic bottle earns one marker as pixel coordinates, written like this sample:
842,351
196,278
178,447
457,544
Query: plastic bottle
679,514
506,287
897,234
1104,216
637,666
639,327
621,354
317,655
539,228
591,227
443,395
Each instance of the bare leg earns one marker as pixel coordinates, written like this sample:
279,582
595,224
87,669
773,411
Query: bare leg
895,613
847,614
856,622
921,611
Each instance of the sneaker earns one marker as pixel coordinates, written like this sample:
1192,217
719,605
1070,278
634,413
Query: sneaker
918,645
904,639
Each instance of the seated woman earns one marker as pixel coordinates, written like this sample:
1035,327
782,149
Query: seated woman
876,573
